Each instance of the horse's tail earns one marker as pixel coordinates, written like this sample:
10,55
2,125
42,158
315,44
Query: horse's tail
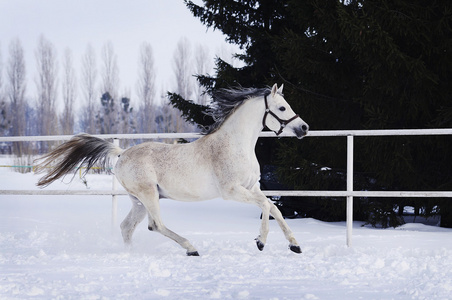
80,150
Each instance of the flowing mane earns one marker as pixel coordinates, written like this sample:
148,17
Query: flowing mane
226,101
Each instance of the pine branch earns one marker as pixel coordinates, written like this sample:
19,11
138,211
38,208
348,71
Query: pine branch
191,112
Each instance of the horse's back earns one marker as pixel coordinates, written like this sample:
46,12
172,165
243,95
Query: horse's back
178,170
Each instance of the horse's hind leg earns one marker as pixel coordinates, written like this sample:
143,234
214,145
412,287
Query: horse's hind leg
150,200
135,216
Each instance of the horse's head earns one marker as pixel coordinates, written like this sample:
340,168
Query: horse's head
279,115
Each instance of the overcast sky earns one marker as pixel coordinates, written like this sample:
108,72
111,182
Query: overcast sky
126,23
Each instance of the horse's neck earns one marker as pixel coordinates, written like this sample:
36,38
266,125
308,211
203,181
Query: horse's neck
244,125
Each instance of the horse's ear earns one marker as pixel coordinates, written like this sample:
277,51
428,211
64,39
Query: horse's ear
280,89
274,90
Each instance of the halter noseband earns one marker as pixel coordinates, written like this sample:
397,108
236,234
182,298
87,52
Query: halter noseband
282,122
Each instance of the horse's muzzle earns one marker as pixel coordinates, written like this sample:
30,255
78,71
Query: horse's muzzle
301,131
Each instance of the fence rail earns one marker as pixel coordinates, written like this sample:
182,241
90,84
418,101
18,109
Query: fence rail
266,134
349,193
304,193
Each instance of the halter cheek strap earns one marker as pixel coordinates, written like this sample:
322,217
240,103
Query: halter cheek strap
282,122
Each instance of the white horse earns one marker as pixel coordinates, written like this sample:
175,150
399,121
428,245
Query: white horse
222,163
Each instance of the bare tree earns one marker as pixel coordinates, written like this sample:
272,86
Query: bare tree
127,122
1,71
165,116
107,118
183,68
146,89
15,89
110,79
47,86
4,120
69,88
203,66
1,67
183,71
91,95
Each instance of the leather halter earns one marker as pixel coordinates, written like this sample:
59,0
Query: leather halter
282,122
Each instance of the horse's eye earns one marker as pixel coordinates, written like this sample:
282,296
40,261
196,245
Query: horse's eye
282,108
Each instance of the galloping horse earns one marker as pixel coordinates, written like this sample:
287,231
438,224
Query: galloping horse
222,163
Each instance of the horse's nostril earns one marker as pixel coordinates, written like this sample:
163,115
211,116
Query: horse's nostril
304,127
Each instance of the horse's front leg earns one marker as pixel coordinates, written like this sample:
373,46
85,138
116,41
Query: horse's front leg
293,244
255,196
269,208
261,239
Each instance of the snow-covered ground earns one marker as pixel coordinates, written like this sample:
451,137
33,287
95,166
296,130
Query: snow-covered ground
64,247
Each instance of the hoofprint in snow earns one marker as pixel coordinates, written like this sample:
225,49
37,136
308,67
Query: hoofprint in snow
64,247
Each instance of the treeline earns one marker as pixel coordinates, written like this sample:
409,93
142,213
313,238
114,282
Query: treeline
68,99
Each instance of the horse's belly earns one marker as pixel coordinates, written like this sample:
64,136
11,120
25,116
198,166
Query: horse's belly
190,189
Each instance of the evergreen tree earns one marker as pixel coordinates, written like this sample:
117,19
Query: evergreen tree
349,65
378,65
127,117
106,117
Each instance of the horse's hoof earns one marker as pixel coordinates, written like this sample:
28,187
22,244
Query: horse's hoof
295,249
260,245
194,253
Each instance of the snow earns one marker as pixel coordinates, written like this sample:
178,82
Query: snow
65,247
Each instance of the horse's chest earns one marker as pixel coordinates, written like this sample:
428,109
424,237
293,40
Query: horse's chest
242,169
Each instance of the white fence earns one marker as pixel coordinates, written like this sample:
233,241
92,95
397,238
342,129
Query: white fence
349,193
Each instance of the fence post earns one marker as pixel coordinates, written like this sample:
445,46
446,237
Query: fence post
349,218
114,200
